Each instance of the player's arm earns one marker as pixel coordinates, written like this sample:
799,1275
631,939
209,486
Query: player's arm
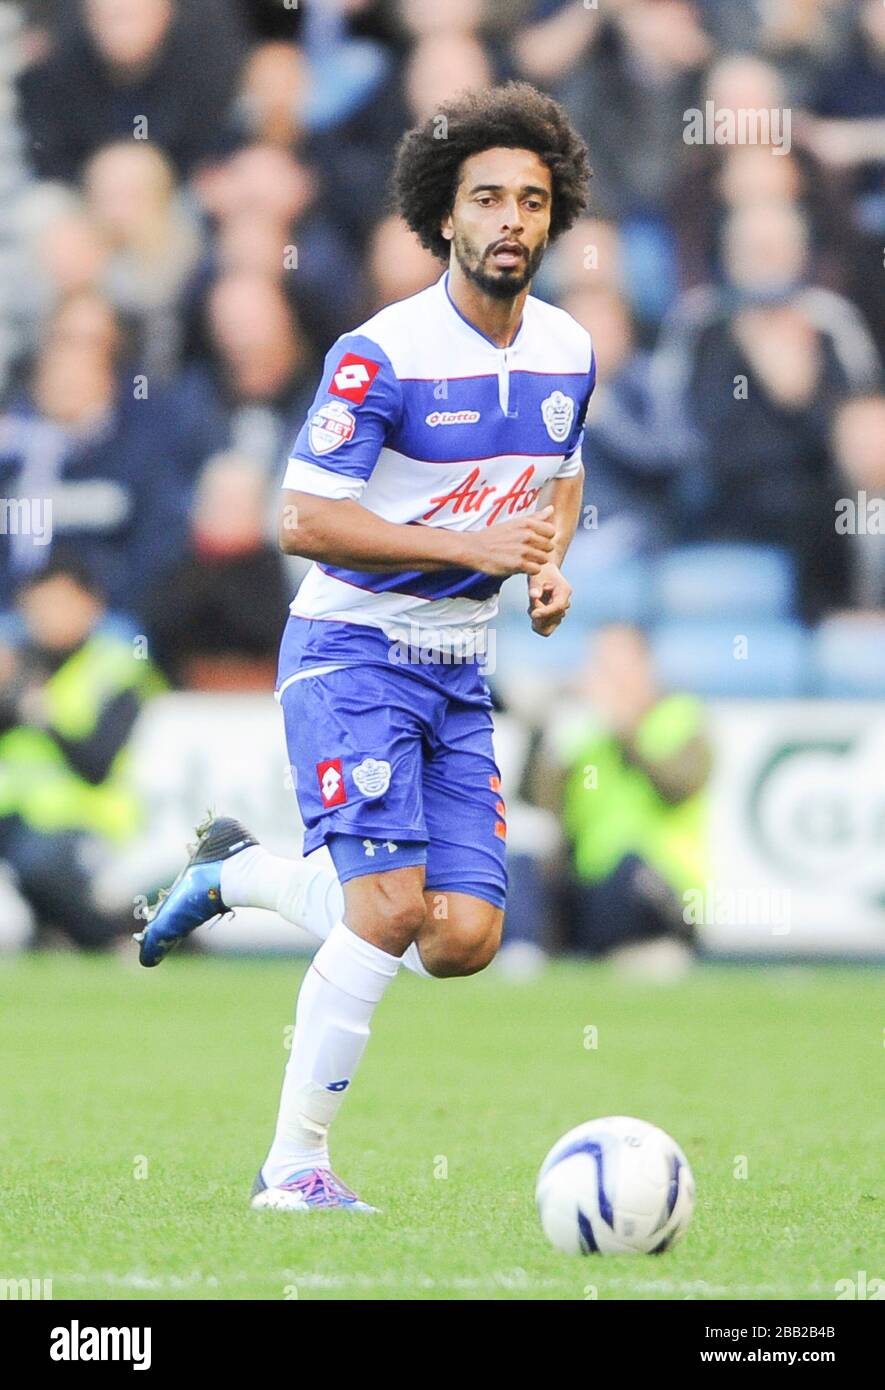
341,532
550,593
565,495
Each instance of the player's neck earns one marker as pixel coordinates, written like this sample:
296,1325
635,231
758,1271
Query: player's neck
498,319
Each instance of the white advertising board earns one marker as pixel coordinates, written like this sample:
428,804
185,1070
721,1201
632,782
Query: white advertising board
797,825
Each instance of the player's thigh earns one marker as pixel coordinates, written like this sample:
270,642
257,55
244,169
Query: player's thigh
466,883
355,740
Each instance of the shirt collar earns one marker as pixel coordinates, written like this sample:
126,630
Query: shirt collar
444,281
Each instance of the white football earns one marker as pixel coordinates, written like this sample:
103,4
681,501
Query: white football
615,1187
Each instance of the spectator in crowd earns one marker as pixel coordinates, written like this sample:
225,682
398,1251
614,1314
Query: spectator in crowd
109,459
153,246
70,694
634,764
260,365
628,486
554,38
55,251
628,85
272,103
721,178
215,621
148,69
257,177
845,130
350,49
426,19
859,438
734,26
356,153
398,264
269,195
642,72
589,255
439,66
72,253
847,124
595,254
802,38
754,372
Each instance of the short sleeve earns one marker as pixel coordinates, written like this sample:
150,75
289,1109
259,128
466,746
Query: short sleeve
357,404
573,461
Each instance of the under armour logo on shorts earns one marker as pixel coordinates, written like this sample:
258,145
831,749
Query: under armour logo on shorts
370,847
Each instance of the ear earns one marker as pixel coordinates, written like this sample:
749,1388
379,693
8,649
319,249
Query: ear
447,227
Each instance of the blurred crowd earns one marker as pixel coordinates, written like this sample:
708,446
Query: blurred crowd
193,206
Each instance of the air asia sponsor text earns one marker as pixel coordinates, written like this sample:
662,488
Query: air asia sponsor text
473,493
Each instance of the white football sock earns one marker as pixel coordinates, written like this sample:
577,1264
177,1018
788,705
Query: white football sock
345,981
304,891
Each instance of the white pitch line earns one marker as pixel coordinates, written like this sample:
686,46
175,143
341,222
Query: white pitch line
516,1280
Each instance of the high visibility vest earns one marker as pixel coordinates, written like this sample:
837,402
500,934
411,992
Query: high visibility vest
36,782
611,808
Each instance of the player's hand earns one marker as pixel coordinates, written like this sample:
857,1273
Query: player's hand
521,546
550,595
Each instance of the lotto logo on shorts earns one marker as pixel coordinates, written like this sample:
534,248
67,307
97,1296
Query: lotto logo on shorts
331,779
353,377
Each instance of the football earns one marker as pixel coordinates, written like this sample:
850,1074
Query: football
615,1186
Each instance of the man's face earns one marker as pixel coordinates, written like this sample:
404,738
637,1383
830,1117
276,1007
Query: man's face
129,33
501,219
58,613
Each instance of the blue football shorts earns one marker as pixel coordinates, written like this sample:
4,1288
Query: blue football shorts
393,763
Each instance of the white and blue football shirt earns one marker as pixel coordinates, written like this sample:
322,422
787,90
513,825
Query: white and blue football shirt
425,421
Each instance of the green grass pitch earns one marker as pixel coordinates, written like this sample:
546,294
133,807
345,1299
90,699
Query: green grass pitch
138,1104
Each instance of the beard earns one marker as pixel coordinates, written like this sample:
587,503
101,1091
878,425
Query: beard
502,282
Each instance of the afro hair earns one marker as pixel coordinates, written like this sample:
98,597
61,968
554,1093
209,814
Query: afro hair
514,116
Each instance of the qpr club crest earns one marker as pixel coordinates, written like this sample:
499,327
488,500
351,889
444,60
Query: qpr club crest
558,411
330,427
372,776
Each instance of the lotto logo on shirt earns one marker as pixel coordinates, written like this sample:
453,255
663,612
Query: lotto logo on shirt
330,775
353,376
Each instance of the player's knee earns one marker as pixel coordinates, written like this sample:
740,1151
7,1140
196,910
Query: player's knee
468,951
397,914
